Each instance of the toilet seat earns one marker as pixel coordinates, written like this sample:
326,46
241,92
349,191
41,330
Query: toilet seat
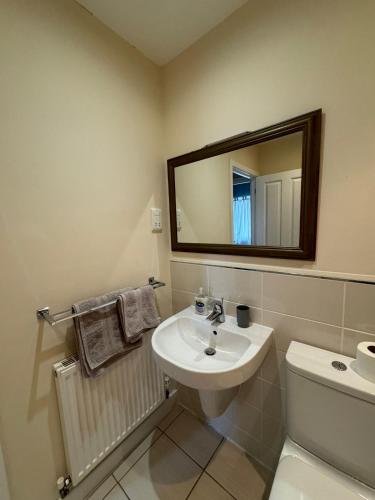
301,475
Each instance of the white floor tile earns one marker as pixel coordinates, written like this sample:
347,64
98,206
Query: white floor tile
198,440
116,494
170,417
163,473
103,489
208,489
129,461
244,478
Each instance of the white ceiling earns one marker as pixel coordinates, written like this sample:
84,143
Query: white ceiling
161,29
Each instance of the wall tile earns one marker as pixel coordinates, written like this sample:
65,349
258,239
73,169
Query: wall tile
189,277
245,417
269,457
221,424
251,392
235,285
273,400
273,433
288,328
360,307
181,300
244,440
352,339
273,367
313,298
298,308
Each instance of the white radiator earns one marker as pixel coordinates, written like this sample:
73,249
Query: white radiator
97,414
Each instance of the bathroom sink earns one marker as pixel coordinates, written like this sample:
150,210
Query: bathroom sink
181,343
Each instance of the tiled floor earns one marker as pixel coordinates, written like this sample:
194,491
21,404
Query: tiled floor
185,459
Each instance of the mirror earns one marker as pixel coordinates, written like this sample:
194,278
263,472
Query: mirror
253,194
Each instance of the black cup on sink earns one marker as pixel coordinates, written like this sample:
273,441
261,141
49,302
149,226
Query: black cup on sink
243,316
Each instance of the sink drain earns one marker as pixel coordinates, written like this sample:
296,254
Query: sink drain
210,351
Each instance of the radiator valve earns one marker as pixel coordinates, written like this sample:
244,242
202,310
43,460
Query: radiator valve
64,485
167,381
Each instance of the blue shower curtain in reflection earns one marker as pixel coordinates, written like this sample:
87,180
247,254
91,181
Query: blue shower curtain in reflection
242,220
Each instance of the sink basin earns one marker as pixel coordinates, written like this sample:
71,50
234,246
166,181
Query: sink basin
180,348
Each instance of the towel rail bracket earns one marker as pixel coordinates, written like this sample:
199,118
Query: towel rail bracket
53,319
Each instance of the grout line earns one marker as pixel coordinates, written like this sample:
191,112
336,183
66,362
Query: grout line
359,331
91,492
216,450
185,452
208,474
343,319
303,318
115,486
290,271
217,482
262,296
262,309
194,485
123,490
151,445
171,422
261,410
182,290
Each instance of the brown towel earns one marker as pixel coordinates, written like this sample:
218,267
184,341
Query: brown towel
138,312
99,334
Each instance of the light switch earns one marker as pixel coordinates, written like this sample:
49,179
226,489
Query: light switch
156,224
179,225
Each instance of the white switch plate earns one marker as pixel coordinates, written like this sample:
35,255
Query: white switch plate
156,224
179,225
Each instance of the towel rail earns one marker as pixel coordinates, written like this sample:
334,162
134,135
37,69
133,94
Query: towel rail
54,319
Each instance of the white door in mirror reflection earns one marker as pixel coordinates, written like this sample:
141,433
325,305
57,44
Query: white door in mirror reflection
278,208
243,209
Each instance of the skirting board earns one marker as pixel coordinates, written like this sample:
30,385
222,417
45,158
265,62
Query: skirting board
105,468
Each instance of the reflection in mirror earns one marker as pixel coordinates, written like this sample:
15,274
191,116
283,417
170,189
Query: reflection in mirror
249,196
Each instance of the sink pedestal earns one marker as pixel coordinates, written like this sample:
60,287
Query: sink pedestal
214,403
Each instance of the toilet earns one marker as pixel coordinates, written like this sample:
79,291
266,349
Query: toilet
329,451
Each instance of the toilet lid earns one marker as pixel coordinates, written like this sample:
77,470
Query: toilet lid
296,480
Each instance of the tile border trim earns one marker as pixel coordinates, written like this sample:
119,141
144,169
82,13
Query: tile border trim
312,273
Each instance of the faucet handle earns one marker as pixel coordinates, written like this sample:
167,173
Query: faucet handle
217,312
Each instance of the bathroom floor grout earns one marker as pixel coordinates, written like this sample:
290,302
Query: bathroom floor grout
203,469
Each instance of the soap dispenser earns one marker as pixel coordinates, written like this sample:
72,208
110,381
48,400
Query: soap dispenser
200,302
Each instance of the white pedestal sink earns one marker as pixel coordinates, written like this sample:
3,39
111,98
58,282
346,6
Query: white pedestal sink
180,348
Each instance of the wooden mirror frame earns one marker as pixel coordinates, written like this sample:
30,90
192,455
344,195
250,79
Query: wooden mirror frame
310,125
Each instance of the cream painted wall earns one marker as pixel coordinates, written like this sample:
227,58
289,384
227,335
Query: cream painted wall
81,163
204,198
4,490
280,154
202,194
273,60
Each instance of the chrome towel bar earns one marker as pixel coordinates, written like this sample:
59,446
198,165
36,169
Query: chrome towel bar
54,319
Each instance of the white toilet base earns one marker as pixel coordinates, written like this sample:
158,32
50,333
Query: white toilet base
302,475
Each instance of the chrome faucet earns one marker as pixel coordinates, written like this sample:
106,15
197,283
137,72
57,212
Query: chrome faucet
217,314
